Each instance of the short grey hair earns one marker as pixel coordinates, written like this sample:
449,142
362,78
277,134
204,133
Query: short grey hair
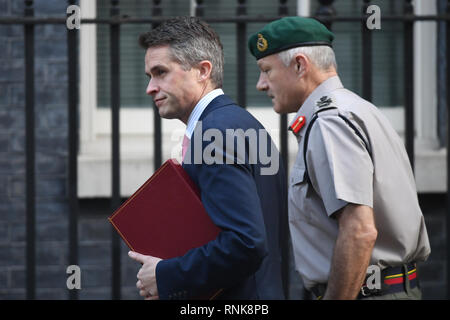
321,56
191,41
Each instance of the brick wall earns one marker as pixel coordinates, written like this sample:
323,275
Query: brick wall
51,154
95,254
51,175
12,207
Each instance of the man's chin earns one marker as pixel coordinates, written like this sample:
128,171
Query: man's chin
166,114
284,109
278,109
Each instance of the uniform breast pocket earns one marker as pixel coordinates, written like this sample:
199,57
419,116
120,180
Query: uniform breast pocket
304,204
297,194
297,175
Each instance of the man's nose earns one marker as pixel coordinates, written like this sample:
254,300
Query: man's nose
152,88
261,85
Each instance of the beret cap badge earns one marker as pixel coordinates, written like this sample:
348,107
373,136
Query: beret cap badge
286,33
261,44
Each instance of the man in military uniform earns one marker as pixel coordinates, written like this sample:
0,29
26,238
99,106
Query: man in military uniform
356,225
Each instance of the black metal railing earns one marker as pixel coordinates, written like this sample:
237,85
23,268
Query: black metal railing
72,103
448,148
324,13
30,153
114,31
409,81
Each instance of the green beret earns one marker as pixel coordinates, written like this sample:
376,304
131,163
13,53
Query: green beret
286,33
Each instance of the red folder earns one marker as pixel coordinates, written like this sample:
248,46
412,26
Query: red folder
165,217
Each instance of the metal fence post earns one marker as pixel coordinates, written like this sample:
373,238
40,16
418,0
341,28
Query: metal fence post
157,126
115,134
199,8
30,155
325,12
367,55
447,53
241,47
284,150
409,80
72,179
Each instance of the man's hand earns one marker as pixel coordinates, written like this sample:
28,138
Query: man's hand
147,275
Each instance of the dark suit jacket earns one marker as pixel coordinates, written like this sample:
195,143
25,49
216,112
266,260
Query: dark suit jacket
250,209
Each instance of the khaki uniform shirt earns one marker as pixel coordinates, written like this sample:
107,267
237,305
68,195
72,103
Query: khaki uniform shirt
342,171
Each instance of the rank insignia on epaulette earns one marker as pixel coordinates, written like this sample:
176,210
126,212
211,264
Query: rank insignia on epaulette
324,102
297,124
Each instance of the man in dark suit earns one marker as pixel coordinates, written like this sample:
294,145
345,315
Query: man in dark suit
231,158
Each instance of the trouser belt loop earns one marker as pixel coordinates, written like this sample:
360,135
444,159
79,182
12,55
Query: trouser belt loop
406,279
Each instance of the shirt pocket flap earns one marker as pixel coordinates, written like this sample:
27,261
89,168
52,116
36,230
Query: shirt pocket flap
298,175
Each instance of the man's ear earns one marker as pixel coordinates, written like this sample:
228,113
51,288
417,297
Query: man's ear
205,68
301,64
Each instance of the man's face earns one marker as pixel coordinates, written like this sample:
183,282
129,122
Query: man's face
174,90
280,83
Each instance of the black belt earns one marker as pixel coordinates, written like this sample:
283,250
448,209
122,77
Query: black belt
392,281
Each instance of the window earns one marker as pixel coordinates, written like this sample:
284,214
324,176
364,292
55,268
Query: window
133,80
387,53
136,108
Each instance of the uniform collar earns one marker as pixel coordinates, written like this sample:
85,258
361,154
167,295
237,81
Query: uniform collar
309,107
